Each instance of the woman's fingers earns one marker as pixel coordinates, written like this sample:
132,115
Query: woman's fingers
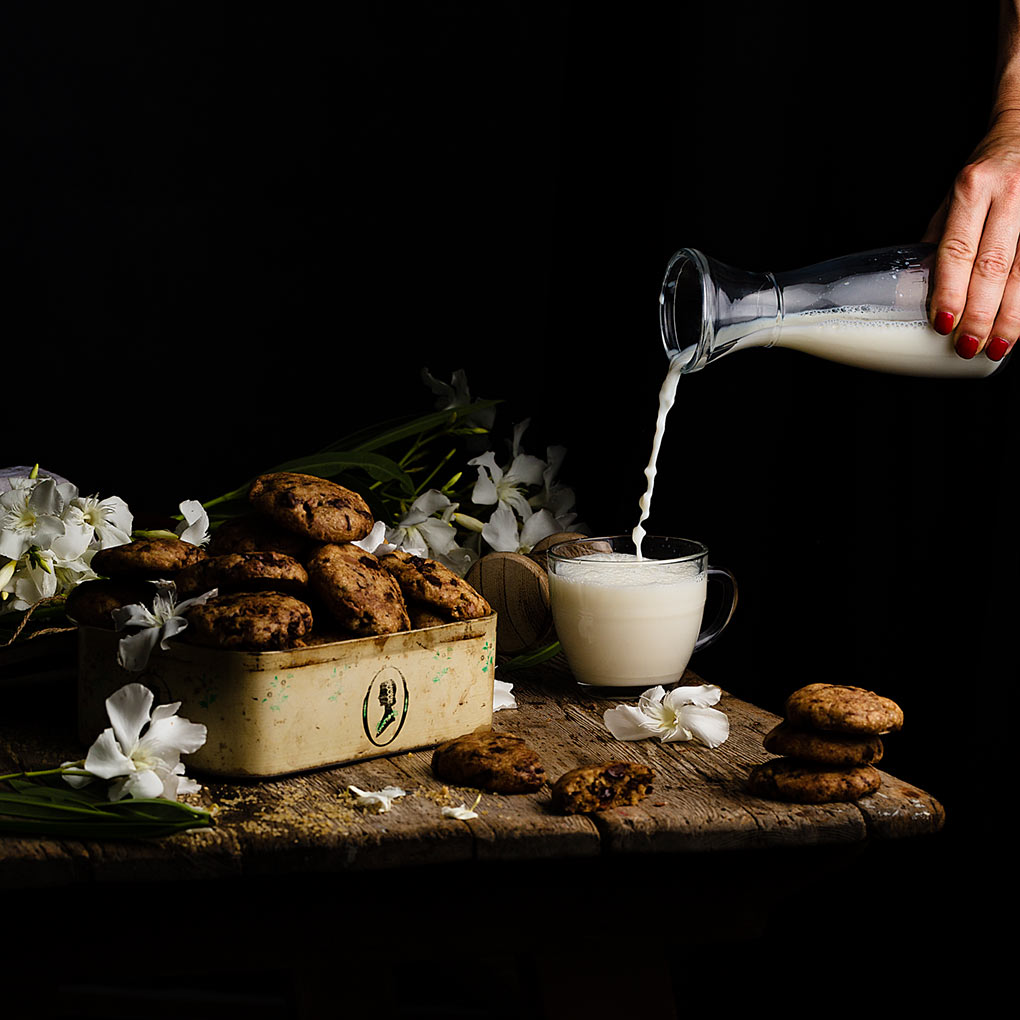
1006,327
976,292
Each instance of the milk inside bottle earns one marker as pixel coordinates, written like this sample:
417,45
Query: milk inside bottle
867,310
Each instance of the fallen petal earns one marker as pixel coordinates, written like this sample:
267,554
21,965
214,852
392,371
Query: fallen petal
462,813
502,696
708,725
626,722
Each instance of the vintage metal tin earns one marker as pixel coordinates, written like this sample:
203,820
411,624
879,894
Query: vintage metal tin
279,712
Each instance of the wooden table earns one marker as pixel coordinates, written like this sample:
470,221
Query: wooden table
296,848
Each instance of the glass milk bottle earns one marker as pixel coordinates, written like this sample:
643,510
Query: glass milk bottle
867,310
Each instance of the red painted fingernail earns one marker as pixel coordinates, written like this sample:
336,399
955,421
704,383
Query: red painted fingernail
997,348
967,346
944,323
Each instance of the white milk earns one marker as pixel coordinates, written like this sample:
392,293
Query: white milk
667,394
627,622
859,337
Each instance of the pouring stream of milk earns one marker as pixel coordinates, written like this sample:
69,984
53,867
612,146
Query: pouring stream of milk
667,394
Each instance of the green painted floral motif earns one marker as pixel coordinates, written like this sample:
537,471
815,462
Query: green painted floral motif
488,658
208,694
278,685
439,654
338,682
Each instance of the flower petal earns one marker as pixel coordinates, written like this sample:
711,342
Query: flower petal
651,699
134,650
106,759
708,725
703,695
626,722
502,696
462,813
128,709
173,732
144,785
501,530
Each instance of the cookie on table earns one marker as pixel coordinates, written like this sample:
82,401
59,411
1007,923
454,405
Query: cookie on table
147,558
600,787
799,782
843,709
310,506
249,621
429,583
489,761
828,747
251,571
255,533
356,591
92,603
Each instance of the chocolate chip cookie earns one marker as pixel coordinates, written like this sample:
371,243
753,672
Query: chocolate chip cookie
249,621
92,603
429,583
255,533
828,747
788,779
489,761
147,558
843,709
251,571
600,787
357,592
310,506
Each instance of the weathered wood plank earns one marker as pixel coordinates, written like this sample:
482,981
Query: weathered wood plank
308,823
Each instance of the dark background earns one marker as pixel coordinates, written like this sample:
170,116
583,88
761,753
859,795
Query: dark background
233,232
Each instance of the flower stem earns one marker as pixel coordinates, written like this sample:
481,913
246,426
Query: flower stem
46,772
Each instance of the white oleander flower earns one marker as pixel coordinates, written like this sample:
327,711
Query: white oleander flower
155,626
456,394
378,801
682,714
555,497
506,487
110,519
428,529
31,515
195,526
141,749
421,532
49,533
504,534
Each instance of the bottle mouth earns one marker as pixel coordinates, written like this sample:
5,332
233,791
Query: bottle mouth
684,315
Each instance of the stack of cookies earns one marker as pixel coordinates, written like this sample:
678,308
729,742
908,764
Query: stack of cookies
828,744
287,574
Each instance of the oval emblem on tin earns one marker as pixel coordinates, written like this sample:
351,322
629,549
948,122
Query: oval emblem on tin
385,706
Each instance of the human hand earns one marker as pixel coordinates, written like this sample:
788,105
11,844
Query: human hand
976,288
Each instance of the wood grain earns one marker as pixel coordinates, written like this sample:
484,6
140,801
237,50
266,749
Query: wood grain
309,824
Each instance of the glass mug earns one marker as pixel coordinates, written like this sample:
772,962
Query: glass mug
625,622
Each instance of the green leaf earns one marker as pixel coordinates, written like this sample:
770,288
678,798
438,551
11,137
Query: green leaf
527,659
398,430
43,809
328,464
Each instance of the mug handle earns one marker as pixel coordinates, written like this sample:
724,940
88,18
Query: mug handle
726,607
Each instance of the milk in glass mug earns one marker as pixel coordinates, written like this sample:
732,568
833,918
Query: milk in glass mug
630,621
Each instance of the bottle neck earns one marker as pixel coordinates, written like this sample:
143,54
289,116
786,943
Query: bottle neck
708,309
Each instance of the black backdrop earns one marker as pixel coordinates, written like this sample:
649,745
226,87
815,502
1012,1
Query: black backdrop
233,231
